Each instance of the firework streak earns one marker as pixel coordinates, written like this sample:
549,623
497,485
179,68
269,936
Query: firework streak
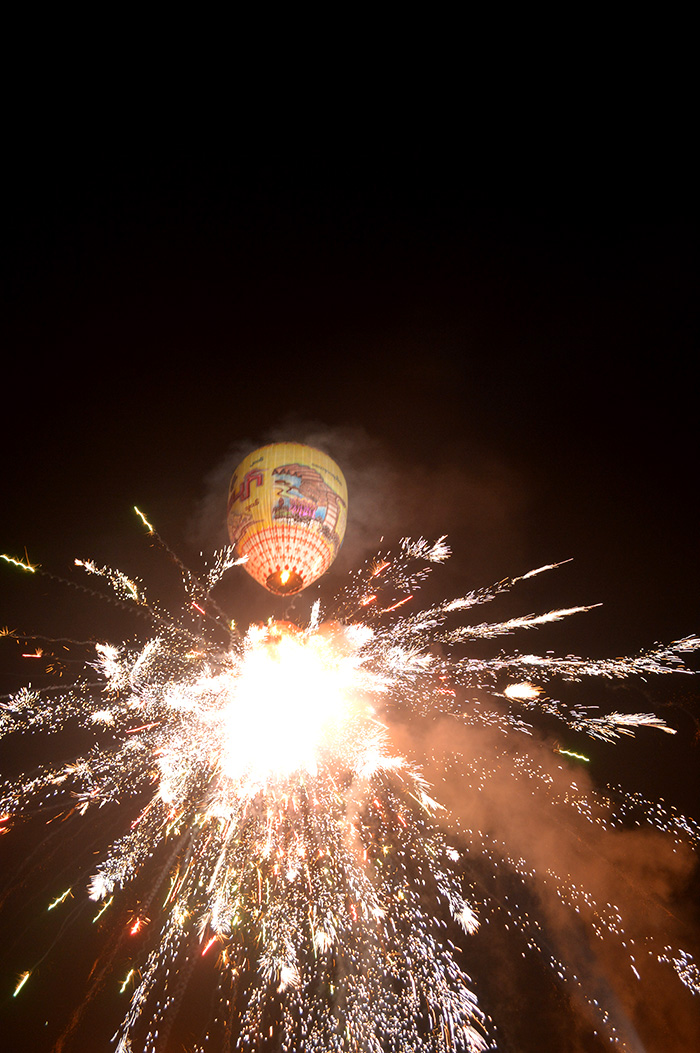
270,826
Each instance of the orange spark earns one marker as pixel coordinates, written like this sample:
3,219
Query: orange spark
144,727
399,604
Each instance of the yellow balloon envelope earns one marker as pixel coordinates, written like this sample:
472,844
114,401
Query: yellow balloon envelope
287,510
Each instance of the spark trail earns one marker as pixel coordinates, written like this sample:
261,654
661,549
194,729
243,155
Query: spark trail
271,826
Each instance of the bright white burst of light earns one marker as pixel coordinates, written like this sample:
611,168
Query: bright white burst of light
271,824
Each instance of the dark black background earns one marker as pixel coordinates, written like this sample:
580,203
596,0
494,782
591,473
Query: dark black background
515,324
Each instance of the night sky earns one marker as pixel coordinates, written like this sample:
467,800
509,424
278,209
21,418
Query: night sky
511,362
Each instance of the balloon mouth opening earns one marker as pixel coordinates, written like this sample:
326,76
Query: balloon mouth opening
284,582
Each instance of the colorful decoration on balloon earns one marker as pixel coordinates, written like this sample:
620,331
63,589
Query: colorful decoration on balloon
287,510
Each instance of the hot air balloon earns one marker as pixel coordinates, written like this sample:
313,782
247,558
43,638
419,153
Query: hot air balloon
287,509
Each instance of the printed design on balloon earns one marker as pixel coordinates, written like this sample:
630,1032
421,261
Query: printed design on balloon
305,496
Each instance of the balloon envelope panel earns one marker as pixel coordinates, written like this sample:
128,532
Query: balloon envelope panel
287,510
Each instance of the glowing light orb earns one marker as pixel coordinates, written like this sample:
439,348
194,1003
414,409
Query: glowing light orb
287,510
291,696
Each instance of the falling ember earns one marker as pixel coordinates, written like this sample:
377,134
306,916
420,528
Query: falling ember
263,805
22,981
210,943
399,603
126,981
103,909
23,564
143,519
571,753
60,899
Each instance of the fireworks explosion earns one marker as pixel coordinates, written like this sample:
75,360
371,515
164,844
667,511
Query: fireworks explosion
258,819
